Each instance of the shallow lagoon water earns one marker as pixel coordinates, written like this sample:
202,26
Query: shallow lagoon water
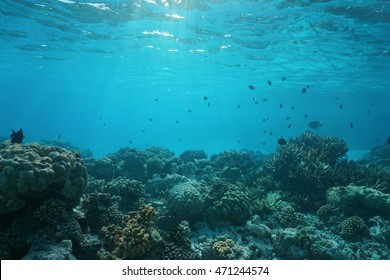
214,85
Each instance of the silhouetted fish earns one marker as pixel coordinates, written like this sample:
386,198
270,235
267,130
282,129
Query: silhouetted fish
341,106
292,108
283,78
351,124
150,119
189,111
208,104
205,98
305,116
270,133
280,105
251,87
307,86
265,99
156,99
238,106
269,82
304,90
314,124
282,141
17,137
289,126
256,102
388,140
287,118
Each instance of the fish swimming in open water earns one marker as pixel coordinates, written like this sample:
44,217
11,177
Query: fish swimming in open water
314,124
17,137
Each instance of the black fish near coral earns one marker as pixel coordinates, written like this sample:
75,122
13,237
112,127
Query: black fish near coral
282,141
251,87
17,137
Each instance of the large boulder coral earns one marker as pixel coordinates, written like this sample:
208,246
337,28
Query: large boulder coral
186,201
32,172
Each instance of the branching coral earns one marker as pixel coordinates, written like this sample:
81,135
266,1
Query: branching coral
305,164
137,239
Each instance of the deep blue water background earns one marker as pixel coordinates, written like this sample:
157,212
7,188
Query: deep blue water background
126,73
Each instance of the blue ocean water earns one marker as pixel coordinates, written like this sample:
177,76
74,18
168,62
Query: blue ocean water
174,73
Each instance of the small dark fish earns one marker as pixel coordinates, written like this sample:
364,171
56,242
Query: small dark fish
239,141
305,116
341,106
368,111
304,90
156,99
351,125
287,118
251,87
208,104
282,141
256,102
130,142
269,82
281,106
270,133
388,140
314,124
100,117
59,136
205,98
283,78
254,98
264,119
289,126
143,130
238,106
17,137
177,121
265,99
337,97
307,86
265,131
104,124
150,119
189,111
292,108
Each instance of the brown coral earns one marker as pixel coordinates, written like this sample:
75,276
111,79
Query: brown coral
32,171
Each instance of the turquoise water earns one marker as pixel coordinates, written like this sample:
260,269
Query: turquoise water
109,74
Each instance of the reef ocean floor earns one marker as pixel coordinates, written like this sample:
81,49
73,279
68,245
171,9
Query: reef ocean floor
305,201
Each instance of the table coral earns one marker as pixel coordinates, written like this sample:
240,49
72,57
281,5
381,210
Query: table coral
32,171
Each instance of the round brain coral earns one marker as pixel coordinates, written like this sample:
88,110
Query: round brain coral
354,228
31,171
185,202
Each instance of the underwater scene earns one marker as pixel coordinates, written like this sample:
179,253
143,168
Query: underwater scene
194,130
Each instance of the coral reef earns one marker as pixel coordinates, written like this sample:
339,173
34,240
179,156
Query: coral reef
305,164
30,172
84,153
222,248
185,201
360,200
354,228
101,209
192,155
136,240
